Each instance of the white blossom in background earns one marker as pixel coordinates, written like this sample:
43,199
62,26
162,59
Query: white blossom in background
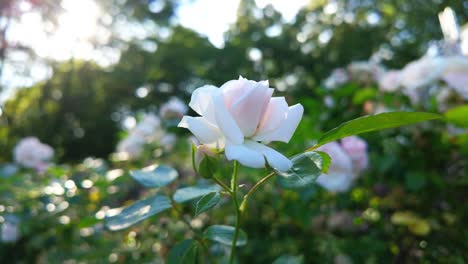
356,148
10,230
148,126
337,78
422,72
168,141
340,173
132,146
456,74
31,153
241,117
365,71
174,108
390,81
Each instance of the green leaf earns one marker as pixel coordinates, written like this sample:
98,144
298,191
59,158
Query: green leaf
363,95
326,161
288,259
458,115
155,176
138,211
373,123
207,202
190,193
225,234
184,252
306,168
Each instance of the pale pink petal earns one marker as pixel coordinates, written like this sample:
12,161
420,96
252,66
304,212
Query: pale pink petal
226,122
248,109
275,159
246,156
201,101
274,115
458,80
202,129
287,128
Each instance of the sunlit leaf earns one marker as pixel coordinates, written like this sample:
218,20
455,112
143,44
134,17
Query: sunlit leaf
138,211
155,176
225,234
190,193
306,168
373,123
458,115
207,202
326,161
184,252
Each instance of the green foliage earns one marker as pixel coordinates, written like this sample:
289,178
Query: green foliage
224,234
138,212
306,168
207,202
184,252
189,193
374,123
155,176
458,115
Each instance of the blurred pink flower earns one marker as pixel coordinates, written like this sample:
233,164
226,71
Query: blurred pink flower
390,81
31,153
456,74
238,116
340,173
357,150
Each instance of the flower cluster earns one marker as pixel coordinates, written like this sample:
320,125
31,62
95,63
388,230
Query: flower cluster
422,73
31,153
241,117
147,130
349,159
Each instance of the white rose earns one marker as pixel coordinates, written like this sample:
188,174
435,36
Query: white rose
10,232
422,72
148,126
132,146
174,108
356,148
238,116
390,81
168,141
456,74
340,172
31,153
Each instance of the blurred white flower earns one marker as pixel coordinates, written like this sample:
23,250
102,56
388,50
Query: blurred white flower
132,145
31,153
10,231
390,81
365,71
337,78
456,74
168,141
238,116
422,72
148,126
174,108
340,172
356,148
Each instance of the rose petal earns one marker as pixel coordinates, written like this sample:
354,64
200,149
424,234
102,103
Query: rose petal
226,122
274,115
275,159
202,129
201,101
287,128
246,156
248,109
